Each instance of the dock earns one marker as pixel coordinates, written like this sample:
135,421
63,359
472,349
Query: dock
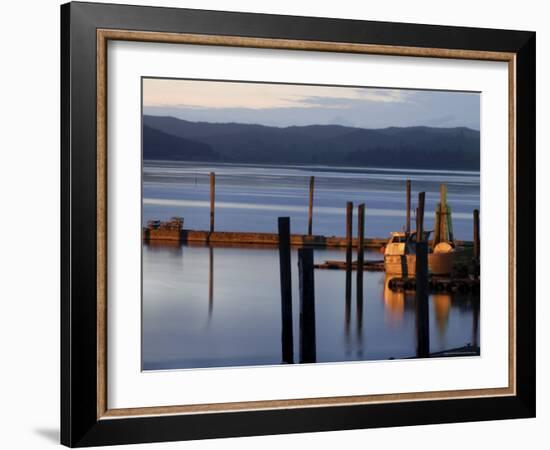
369,266
437,284
258,238
250,238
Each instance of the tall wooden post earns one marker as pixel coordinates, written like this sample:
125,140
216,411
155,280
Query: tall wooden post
310,212
437,224
360,254
408,222
349,262
212,199
476,234
308,351
422,307
443,229
287,339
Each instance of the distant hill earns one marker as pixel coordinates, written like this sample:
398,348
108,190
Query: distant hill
160,145
411,147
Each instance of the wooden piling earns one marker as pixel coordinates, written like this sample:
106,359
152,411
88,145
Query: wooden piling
359,311
437,223
476,234
422,308
349,237
420,217
287,340
212,199
349,224
408,223
308,352
360,255
310,212
443,229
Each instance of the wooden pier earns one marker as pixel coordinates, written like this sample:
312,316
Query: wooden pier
250,238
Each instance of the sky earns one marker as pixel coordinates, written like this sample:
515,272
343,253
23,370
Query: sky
285,105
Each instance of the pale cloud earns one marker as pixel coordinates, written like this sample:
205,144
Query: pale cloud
162,93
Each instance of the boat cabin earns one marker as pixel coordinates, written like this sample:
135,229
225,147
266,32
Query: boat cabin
401,243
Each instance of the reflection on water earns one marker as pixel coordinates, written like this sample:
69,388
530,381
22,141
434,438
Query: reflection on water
442,309
210,282
395,302
219,307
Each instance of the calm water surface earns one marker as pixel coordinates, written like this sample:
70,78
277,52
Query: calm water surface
219,307
250,198
215,307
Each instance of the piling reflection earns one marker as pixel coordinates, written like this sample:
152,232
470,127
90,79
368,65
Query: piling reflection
347,308
422,328
360,275
308,339
210,282
475,321
360,306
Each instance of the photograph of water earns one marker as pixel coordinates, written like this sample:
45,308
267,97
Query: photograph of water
227,165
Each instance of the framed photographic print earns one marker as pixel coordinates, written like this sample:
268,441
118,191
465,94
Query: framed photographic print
276,224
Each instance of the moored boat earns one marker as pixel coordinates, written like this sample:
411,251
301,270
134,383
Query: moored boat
400,255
